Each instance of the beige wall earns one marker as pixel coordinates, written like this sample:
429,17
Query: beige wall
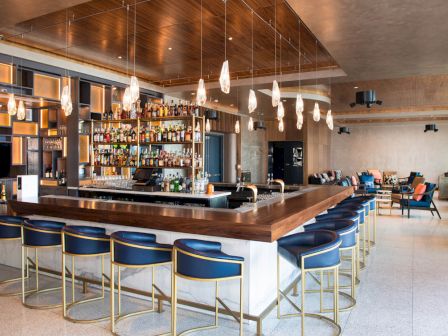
401,148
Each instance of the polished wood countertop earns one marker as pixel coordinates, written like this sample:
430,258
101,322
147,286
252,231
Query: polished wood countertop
266,223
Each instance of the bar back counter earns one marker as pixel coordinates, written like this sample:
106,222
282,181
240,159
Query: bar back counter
250,232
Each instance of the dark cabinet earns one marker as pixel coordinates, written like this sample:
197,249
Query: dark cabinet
285,161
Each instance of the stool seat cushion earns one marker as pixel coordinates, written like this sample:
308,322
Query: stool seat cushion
89,240
139,249
364,202
359,208
194,264
42,232
10,226
321,247
346,229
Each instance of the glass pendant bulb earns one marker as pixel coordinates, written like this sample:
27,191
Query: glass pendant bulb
134,89
12,107
252,101
299,120
21,111
224,78
127,102
329,120
299,103
299,125
250,125
65,97
69,108
201,95
280,111
316,112
275,94
207,126
237,127
281,126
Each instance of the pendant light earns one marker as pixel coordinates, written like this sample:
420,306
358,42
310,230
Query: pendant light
329,120
316,110
224,78
252,97
250,125
127,99
201,94
21,111
237,127
299,99
66,99
12,107
280,111
275,87
281,126
134,88
207,126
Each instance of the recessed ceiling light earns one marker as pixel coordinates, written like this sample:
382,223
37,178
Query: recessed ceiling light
169,48
120,57
230,38
355,87
193,93
284,100
216,100
231,105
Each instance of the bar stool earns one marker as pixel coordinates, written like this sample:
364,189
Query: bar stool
82,241
135,250
10,229
363,225
354,217
346,229
202,260
373,211
312,251
366,204
39,234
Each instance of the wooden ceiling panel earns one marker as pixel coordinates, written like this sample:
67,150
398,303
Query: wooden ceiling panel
98,35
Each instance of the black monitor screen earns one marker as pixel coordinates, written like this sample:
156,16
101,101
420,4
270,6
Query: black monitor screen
142,174
5,159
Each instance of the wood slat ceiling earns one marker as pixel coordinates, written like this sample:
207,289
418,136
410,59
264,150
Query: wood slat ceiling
98,36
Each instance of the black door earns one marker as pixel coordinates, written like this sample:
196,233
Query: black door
286,161
214,156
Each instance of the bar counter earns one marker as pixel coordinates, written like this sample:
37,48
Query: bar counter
249,232
264,223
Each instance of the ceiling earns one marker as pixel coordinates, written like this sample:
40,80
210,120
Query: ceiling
168,37
380,39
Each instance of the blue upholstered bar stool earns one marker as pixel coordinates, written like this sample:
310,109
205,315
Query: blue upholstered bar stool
373,212
135,250
312,251
202,260
10,229
39,234
82,241
353,216
346,229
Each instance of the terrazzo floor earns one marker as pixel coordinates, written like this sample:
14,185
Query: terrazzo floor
403,291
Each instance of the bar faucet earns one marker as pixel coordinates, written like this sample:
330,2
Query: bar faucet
282,184
239,185
253,188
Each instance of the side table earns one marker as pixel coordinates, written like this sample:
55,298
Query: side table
383,200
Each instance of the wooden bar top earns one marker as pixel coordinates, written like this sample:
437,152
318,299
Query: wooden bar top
266,223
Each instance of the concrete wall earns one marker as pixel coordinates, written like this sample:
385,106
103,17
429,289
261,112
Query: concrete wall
401,148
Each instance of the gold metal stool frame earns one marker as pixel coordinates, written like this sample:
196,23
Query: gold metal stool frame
301,310
36,290
115,318
67,307
218,300
21,257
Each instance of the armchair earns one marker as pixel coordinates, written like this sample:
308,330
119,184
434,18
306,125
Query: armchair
425,203
367,184
399,190
408,180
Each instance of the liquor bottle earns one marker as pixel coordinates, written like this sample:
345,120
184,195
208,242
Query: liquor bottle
3,193
105,115
111,114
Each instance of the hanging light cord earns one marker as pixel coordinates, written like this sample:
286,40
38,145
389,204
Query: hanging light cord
127,40
300,58
225,30
135,32
275,39
201,38
316,64
252,49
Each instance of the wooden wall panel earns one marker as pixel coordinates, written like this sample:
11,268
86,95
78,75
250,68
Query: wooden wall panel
47,86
